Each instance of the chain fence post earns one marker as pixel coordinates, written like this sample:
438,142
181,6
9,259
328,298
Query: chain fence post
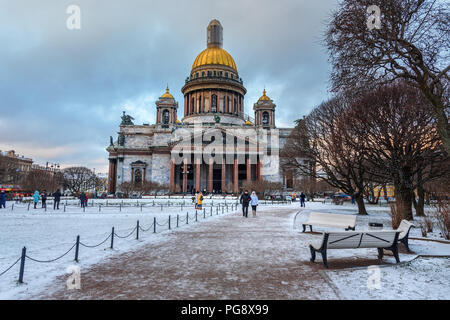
141,207
178,219
120,207
112,238
64,208
169,221
99,207
161,206
154,224
29,206
196,215
187,217
137,230
22,264
12,207
77,248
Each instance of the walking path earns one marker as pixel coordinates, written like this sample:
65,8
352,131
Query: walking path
226,258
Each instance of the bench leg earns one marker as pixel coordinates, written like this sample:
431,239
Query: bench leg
324,258
304,227
380,253
395,252
313,254
310,228
405,242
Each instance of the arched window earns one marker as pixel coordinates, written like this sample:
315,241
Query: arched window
214,103
265,118
137,175
166,116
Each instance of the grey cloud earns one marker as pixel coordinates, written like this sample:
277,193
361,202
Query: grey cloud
66,89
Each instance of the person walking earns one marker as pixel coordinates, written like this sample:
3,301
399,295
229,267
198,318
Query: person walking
44,199
36,198
254,203
302,199
200,201
3,199
194,199
245,200
83,199
56,199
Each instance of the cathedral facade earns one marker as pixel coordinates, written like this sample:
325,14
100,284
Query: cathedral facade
215,146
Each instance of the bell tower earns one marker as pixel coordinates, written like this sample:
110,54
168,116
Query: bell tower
264,112
166,109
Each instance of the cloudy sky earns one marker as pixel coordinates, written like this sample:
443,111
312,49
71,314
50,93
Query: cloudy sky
62,91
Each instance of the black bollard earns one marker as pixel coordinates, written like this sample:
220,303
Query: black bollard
112,238
77,248
178,219
137,230
154,225
22,264
169,222
187,217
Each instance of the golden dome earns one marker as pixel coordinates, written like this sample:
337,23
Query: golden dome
167,95
264,97
216,56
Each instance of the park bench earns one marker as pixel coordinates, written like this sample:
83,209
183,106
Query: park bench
382,240
404,228
346,221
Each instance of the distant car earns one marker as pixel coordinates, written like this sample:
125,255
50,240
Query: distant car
342,196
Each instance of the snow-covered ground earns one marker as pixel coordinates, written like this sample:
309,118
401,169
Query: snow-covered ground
49,234
419,279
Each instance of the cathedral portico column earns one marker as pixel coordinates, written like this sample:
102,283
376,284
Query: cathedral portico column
197,174
235,176
210,175
184,175
172,175
224,175
249,170
259,171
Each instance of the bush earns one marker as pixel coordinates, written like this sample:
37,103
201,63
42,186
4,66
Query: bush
442,215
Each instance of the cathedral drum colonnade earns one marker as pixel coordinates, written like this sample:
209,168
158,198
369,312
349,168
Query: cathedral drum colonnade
214,101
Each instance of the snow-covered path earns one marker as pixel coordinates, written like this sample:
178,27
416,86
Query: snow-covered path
226,258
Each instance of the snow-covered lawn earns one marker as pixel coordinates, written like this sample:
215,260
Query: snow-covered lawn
49,234
419,279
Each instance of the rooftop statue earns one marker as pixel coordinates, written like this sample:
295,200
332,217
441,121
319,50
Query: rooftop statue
127,120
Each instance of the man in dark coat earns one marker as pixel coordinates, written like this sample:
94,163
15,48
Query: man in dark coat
44,199
3,199
56,199
83,199
245,200
302,199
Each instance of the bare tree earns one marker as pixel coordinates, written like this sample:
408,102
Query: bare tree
127,188
401,139
78,179
322,139
42,180
413,44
